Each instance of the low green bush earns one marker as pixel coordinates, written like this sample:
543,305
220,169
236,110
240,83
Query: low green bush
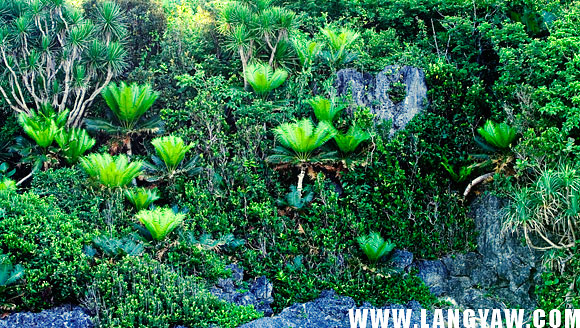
48,243
143,293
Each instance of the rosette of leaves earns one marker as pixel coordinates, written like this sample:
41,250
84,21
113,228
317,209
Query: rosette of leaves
497,135
264,79
128,103
295,200
169,162
160,221
349,141
116,247
374,246
74,143
325,109
111,172
42,126
300,142
338,48
141,198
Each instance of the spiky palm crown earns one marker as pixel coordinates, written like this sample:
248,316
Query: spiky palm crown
300,140
498,135
129,102
111,172
349,142
160,221
171,150
264,79
74,143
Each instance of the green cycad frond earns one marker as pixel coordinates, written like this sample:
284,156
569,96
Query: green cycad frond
74,143
264,79
129,103
497,135
374,246
307,51
141,198
347,143
326,110
303,138
160,221
40,129
171,150
111,172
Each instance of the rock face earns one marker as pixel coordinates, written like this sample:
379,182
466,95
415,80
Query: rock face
65,316
502,271
380,93
259,293
328,311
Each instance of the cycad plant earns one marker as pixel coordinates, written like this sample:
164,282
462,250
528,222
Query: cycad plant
43,126
307,51
374,246
111,172
141,198
300,142
74,143
338,46
169,162
498,135
128,103
264,79
160,221
349,141
325,109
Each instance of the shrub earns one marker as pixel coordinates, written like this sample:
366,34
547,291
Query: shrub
374,246
120,291
171,150
48,243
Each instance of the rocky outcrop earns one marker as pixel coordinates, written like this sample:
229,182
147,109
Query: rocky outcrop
503,271
66,316
259,293
327,311
382,94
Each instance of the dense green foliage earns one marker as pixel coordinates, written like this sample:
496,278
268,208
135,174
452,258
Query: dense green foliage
259,147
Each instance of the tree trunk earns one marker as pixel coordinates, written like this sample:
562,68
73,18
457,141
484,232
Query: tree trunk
300,180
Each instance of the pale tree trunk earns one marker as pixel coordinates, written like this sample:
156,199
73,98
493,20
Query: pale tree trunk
300,180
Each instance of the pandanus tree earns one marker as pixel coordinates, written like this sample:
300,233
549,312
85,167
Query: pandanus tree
300,145
128,103
255,27
50,53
